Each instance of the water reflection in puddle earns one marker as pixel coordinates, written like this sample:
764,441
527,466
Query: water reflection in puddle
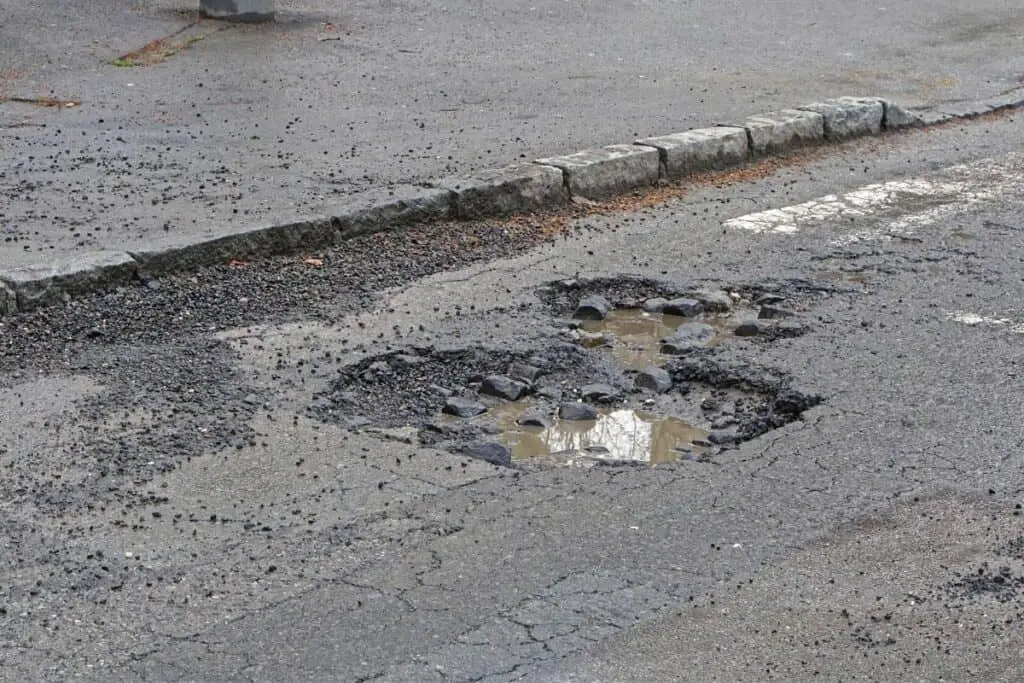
614,435
636,334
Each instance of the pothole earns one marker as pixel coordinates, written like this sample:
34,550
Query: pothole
636,378
643,320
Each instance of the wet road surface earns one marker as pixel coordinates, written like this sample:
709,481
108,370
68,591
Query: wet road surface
241,125
190,492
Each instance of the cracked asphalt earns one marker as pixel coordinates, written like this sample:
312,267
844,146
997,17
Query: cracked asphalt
254,124
173,511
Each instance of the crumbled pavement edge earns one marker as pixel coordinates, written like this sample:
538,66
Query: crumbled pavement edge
547,183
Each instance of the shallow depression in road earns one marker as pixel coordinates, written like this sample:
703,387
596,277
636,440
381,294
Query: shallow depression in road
619,435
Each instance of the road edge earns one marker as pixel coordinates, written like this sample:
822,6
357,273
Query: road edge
545,184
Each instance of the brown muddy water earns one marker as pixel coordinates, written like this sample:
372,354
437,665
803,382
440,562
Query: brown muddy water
618,434
634,335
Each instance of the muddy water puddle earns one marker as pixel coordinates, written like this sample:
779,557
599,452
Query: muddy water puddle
635,335
618,434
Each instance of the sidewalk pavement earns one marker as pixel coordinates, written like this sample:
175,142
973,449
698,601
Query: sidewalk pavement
109,140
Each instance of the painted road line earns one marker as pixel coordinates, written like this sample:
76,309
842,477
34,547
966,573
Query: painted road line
975,320
883,211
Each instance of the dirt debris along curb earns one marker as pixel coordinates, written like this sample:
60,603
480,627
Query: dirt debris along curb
548,183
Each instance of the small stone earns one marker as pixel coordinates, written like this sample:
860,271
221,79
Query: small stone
577,411
773,313
654,379
460,406
535,418
788,329
747,328
687,337
550,392
724,422
591,340
769,299
380,367
523,372
492,452
655,305
685,307
406,360
251,399
502,387
593,308
439,390
714,300
722,437
437,428
602,393
153,285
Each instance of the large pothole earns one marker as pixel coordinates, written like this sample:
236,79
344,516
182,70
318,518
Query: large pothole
634,377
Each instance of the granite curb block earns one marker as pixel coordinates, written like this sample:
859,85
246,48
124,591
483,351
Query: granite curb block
849,117
696,151
608,171
968,110
56,282
505,191
8,300
369,212
545,184
784,131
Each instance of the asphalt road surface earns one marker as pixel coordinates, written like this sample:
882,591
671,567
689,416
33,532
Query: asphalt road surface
242,474
223,125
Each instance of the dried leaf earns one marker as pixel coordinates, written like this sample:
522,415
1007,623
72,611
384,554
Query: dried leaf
236,263
313,262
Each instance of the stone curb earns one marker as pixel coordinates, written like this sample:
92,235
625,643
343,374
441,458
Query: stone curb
369,212
504,191
45,285
605,172
545,184
695,151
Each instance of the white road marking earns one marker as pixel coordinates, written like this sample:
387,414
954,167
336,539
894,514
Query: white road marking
883,211
975,320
